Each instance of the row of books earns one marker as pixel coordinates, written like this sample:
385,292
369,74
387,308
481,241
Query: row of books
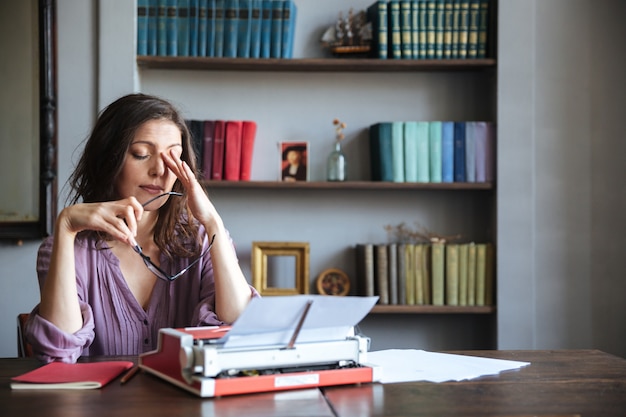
223,148
216,28
432,151
429,29
436,273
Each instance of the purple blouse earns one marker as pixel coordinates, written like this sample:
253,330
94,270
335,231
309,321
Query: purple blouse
113,321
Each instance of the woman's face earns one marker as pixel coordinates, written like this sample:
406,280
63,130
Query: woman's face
144,174
294,157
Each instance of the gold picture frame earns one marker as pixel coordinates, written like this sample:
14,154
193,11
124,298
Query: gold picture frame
272,264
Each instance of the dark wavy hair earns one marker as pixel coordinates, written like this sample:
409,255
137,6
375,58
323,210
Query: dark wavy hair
104,154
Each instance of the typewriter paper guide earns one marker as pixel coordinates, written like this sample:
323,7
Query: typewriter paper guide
271,321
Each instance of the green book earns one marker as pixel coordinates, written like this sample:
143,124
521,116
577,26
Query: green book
472,33
397,151
439,28
410,151
463,28
438,272
452,274
456,23
481,273
409,250
377,16
431,27
393,24
405,29
471,274
422,14
463,251
415,40
483,28
447,29
423,152
418,259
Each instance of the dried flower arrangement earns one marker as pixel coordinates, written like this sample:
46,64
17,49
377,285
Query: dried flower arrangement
339,127
403,233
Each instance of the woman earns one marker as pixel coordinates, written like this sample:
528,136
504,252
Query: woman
114,272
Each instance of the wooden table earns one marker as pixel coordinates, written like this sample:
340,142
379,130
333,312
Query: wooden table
557,383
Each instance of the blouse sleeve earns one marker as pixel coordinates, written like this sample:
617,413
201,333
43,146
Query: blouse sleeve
48,341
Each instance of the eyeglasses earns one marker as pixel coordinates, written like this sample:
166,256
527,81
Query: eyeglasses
161,274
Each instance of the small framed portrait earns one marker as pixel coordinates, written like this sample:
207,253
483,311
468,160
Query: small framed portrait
294,161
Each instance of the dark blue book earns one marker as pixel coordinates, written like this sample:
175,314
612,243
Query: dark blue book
210,28
182,27
162,27
393,25
406,35
142,27
448,22
456,27
289,27
152,27
421,29
266,28
202,25
439,28
171,16
244,29
381,161
231,28
431,28
377,16
194,21
483,28
447,151
415,40
255,28
276,32
459,151
219,28
472,31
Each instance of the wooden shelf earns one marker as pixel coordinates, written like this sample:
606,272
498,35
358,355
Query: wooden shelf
430,309
349,185
314,64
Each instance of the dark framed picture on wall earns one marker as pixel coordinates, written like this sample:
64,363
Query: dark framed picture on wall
294,161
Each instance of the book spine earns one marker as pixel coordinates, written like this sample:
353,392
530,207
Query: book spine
470,151
405,29
483,29
422,29
415,39
463,249
435,148
397,151
459,151
266,28
438,273
456,25
431,28
471,274
393,25
489,275
392,258
365,269
142,27
182,28
255,29
382,279
423,152
218,150
289,27
219,28
418,271
231,27
232,150
207,155
377,15
448,21
277,29
439,28
381,152
472,33
171,27
410,151
162,27
409,285
402,273
452,274
463,29
210,28
202,27
426,265
248,134
447,151
197,139
244,29
194,27
481,273
153,24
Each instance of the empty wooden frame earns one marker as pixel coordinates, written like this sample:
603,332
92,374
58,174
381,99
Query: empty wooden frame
280,268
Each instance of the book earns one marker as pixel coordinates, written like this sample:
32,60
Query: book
485,151
410,151
415,40
409,265
418,272
402,273
459,151
422,12
431,28
255,28
435,148
481,273
276,30
447,151
231,28
463,252
60,375
456,25
288,29
426,268
194,20
153,24
470,152
406,36
392,263
423,152
381,269
266,28
471,274
182,27
397,151
472,30
380,152
483,29
393,27
202,26
218,31
448,22
452,274
210,28
171,28
377,16
489,275
365,269
207,154
439,28
162,27
232,150
197,140
438,272
463,28
244,29
248,134
217,167
142,27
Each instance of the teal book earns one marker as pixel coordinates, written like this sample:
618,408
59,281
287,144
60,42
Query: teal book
459,151
422,12
266,28
415,39
483,28
410,151
472,33
210,28
244,25
423,152
162,27
289,28
194,21
456,23
219,28
463,28
447,151
142,27
435,142
255,28
431,28
448,21
182,27
202,27
406,33
380,152
152,27
276,33
377,16
485,150
231,28
397,151
439,28
171,16
470,152
393,24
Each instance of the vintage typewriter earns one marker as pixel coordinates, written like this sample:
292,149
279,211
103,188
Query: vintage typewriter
278,343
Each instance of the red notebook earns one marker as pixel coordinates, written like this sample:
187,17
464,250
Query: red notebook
59,375
232,150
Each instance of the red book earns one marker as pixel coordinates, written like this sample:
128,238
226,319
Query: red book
207,157
248,133
232,150
217,168
59,375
